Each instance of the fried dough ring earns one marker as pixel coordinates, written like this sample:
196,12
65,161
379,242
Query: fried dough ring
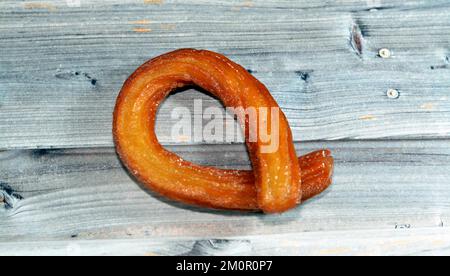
275,183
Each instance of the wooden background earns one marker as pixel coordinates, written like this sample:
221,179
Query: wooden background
63,190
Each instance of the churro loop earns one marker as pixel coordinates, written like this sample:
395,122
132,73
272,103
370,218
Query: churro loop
275,184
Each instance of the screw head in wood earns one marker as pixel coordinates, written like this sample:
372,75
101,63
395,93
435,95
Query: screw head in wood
393,93
384,53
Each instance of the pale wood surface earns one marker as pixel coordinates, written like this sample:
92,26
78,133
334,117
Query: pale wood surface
428,242
63,190
61,68
88,194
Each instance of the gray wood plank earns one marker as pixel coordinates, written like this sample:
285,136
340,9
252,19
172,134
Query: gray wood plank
236,5
86,194
369,242
61,67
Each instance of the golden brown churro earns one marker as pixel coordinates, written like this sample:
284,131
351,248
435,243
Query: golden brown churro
275,184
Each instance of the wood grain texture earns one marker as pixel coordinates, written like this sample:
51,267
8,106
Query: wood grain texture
86,194
61,67
367,242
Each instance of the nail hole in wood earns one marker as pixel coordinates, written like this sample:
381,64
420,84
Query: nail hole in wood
384,53
393,93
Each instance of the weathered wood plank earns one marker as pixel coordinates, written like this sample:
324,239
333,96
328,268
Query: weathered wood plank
57,194
385,242
61,68
236,5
